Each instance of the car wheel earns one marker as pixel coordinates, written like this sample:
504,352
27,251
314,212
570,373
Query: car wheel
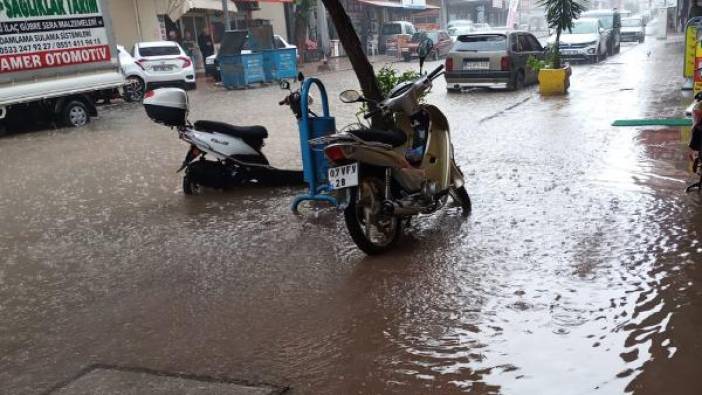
75,114
134,90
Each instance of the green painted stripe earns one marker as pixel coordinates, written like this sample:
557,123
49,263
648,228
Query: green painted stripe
653,122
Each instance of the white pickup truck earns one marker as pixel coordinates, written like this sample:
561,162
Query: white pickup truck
54,58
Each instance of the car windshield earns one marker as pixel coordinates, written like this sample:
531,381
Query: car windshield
631,22
606,19
583,27
481,42
392,28
159,51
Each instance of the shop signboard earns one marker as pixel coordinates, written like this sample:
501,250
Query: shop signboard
43,34
697,86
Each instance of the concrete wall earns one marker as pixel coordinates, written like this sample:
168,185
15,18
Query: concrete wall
276,14
130,28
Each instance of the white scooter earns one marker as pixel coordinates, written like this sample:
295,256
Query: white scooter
235,150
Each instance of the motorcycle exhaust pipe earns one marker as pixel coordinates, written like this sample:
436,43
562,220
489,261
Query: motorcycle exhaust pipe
394,209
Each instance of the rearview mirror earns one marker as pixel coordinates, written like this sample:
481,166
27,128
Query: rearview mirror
601,30
350,96
284,84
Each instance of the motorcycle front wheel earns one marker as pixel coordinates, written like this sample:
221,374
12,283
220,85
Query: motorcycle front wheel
461,197
373,232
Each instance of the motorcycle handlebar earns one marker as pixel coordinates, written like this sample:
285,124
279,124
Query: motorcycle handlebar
372,113
436,72
283,102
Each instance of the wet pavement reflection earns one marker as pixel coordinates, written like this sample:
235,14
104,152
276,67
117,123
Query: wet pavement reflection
575,274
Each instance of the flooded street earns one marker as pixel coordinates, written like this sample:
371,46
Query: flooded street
575,274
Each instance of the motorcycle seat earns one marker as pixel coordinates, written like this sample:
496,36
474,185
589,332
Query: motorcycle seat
242,132
391,137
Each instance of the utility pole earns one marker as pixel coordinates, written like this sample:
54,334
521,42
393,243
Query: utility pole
443,20
225,10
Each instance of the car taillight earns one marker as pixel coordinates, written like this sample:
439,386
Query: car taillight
335,154
505,63
149,94
186,61
449,64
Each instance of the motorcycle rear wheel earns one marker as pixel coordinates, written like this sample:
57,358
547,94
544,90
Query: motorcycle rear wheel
365,204
190,187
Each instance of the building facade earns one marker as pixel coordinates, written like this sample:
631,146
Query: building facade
492,12
153,20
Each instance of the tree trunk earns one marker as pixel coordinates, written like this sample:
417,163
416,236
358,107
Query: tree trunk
349,39
557,55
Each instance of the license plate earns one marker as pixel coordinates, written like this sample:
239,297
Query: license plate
343,176
163,68
569,52
468,65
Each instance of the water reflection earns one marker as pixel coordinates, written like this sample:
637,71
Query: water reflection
575,273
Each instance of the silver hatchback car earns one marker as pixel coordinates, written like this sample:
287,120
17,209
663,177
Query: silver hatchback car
492,58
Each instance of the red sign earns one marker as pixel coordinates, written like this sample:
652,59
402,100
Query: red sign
55,58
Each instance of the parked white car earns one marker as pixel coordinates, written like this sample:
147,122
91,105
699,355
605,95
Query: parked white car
134,75
633,29
587,40
164,63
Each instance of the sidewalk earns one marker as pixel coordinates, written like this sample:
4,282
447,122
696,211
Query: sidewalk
317,68
343,63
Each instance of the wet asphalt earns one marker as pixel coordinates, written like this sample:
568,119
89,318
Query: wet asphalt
576,273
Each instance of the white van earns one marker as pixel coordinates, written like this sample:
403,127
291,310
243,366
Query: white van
391,30
71,57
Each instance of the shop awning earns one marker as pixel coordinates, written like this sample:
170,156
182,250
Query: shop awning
177,8
392,4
